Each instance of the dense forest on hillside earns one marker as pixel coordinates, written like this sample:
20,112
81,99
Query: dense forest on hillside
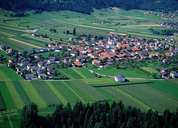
87,6
98,115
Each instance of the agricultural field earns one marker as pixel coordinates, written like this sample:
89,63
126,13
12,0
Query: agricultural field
142,90
13,30
45,93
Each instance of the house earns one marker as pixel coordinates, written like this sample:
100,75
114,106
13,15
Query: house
164,73
30,77
173,74
77,63
120,78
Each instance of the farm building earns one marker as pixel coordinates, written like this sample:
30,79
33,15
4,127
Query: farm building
120,78
174,74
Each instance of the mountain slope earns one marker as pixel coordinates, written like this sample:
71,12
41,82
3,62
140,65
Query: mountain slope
88,5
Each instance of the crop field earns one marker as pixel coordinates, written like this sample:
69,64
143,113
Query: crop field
16,94
85,87
136,22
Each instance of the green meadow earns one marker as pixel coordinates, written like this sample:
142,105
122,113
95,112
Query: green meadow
100,22
141,92
16,92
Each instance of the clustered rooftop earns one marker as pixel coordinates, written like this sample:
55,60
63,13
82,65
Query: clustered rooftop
99,51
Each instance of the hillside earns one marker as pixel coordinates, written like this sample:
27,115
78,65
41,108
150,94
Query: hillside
87,6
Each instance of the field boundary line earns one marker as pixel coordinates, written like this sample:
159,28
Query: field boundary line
57,93
138,101
99,28
14,29
6,34
71,89
25,43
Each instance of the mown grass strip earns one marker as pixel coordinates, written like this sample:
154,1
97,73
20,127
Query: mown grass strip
78,72
33,94
65,92
45,92
168,87
22,93
71,73
151,96
111,94
72,90
85,91
105,93
16,97
145,106
57,93
6,96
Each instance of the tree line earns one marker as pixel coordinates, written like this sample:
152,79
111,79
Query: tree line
87,6
98,115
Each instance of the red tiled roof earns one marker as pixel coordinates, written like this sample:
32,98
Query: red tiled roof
106,55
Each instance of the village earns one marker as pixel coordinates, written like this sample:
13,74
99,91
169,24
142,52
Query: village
99,51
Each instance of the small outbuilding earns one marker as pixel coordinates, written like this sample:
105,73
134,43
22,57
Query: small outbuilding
120,78
174,74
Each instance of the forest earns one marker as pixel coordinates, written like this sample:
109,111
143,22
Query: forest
98,115
87,6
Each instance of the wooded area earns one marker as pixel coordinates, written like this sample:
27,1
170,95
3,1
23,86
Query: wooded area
86,6
98,115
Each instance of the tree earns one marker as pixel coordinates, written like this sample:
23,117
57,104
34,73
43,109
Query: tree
98,115
30,116
74,31
67,32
